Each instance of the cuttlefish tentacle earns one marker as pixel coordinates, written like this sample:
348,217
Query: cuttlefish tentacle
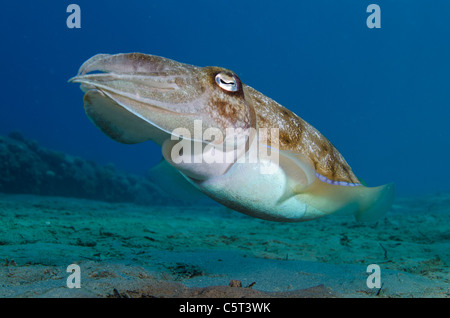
136,97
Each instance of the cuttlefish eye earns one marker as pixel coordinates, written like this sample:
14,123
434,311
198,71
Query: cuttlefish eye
227,81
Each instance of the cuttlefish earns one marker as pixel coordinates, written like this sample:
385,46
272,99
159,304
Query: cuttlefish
208,124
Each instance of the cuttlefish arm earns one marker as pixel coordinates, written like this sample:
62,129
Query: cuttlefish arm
208,123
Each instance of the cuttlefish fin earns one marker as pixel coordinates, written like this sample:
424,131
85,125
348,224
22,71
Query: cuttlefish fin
378,201
114,120
366,203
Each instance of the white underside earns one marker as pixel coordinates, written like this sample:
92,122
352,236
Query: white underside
247,190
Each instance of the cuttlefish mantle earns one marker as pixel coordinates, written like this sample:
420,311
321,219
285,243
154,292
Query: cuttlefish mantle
219,121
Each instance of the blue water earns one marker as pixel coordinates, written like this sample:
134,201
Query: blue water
381,96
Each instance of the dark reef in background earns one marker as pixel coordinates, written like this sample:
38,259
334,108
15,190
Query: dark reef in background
25,167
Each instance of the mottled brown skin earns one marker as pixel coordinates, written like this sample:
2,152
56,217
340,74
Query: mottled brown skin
229,109
297,135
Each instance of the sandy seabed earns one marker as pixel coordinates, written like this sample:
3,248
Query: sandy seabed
127,250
